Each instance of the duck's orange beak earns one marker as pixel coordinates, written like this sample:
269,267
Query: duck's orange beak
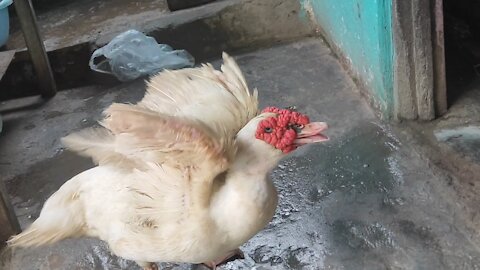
312,133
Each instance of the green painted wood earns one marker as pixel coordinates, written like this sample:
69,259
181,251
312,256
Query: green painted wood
362,31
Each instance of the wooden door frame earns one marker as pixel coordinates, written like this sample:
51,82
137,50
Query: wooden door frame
419,59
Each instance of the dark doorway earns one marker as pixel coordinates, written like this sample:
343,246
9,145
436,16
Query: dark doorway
462,47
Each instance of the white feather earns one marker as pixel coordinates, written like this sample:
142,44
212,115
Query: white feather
159,193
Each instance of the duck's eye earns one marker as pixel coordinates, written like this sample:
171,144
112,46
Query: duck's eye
268,130
295,126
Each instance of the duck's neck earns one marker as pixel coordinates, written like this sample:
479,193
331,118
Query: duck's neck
253,160
247,195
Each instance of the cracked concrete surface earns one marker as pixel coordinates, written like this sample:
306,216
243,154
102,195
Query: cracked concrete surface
364,200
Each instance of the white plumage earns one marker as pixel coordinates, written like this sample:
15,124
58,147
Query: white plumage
181,175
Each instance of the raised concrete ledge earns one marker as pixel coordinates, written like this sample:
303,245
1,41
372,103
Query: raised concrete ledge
205,31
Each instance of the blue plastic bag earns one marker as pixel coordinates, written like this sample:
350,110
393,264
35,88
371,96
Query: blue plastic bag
132,54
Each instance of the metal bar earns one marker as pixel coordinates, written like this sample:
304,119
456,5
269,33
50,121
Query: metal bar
33,39
8,221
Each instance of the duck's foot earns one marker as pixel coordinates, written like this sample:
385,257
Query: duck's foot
148,265
230,256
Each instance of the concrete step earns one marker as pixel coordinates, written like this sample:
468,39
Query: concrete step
204,31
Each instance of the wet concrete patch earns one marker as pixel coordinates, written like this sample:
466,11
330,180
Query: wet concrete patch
421,234
350,178
464,140
30,190
361,202
359,164
358,235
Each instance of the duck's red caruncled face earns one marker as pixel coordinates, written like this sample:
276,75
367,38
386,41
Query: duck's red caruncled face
289,129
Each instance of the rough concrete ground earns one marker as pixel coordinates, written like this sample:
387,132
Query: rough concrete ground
364,200
459,128
452,145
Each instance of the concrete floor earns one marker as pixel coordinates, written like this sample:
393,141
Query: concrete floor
364,200
451,144
460,127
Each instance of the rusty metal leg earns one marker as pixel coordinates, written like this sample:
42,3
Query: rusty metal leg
33,39
8,221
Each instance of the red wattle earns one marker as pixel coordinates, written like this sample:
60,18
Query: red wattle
281,136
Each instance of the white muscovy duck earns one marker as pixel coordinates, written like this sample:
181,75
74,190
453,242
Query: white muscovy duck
182,175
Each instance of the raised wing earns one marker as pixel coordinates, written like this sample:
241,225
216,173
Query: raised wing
190,106
188,121
219,99
134,136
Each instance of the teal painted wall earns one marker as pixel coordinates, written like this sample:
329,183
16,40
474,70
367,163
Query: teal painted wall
362,31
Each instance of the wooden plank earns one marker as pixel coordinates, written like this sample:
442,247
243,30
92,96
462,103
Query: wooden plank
423,59
414,63
36,49
440,81
8,221
403,84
